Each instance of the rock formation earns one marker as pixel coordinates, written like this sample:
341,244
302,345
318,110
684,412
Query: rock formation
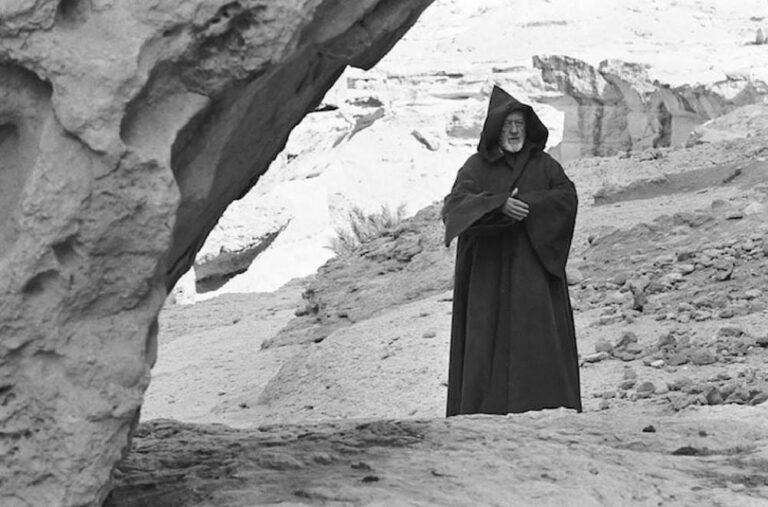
616,108
125,131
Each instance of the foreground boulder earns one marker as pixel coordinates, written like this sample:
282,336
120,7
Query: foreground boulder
125,131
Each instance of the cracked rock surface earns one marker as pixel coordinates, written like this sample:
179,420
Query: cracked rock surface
126,128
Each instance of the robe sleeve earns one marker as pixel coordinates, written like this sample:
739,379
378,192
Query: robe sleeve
551,219
468,207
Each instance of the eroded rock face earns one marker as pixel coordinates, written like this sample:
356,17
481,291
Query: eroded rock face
125,130
617,108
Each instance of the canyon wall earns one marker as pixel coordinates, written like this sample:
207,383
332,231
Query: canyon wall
125,131
617,108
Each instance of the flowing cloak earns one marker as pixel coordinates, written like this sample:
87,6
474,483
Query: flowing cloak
513,345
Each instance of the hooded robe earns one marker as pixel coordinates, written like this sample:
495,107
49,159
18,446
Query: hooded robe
513,345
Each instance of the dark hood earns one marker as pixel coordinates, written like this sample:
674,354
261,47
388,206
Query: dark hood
500,105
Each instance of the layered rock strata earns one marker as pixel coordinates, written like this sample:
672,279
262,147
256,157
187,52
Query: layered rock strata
617,108
125,131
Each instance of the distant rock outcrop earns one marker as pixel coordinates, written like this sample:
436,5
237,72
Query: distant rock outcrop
126,128
616,108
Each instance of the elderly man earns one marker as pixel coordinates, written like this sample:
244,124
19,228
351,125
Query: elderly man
513,210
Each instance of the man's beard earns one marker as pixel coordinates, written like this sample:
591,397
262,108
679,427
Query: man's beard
512,145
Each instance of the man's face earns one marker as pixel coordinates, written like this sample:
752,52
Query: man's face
513,132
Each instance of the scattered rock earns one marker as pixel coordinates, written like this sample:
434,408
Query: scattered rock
430,142
627,338
627,384
702,357
603,345
645,389
713,396
596,357
726,313
730,331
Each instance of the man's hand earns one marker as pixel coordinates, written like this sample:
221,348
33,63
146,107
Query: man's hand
515,208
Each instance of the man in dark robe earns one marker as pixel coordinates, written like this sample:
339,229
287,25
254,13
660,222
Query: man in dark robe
513,210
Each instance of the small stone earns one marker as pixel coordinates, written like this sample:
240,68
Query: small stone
574,276
649,429
619,279
630,373
713,396
726,313
604,405
596,357
753,293
429,334
603,345
677,359
762,341
664,260
662,389
685,307
666,340
645,389
702,357
659,363
734,215
730,331
724,270
759,398
686,269
626,338
627,384
680,384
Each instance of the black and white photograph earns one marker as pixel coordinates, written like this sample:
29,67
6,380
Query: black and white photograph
383,253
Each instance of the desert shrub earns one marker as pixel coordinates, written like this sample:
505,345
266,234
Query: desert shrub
364,227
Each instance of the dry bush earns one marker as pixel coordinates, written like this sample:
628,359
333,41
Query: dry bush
364,227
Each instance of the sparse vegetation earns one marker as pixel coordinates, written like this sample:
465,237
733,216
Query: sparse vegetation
364,227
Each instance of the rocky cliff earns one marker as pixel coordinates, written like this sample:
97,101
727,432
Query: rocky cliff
125,131
617,108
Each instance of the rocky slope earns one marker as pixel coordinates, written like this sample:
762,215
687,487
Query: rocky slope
667,280
125,131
